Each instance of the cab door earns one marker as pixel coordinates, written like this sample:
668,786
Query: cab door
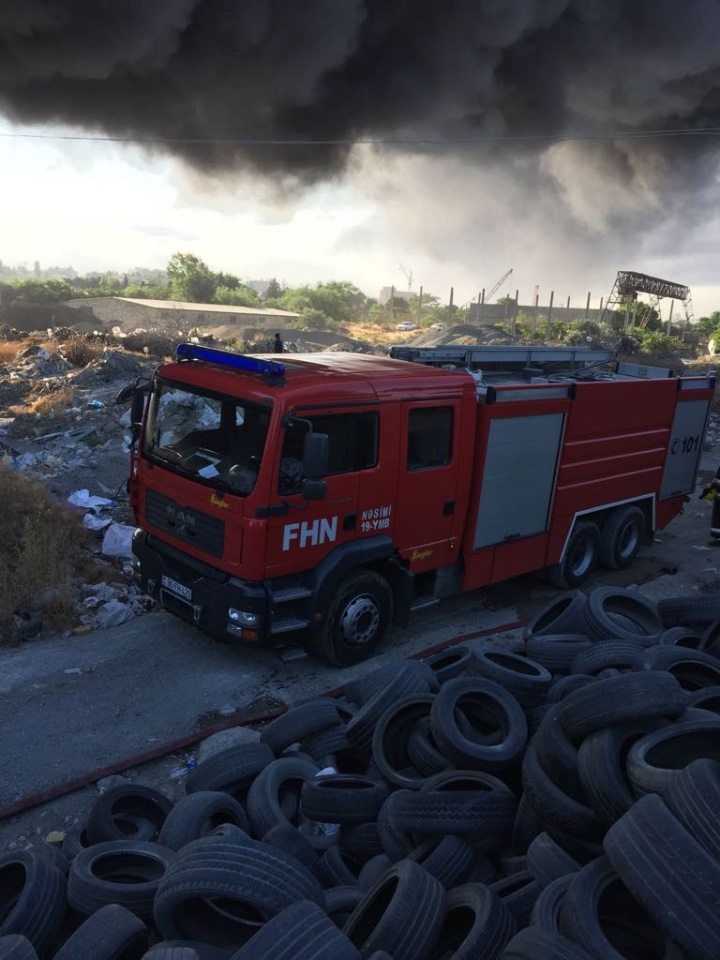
427,521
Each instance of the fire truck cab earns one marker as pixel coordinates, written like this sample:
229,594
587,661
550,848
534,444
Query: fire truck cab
325,497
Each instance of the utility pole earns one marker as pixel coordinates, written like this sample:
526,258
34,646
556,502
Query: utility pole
669,326
419,306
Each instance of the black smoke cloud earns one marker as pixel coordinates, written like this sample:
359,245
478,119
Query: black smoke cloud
229,70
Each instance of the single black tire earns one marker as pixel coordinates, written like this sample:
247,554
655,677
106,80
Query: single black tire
557,651
558,754
53,855
197,814
621,536
670,874
402,914
341,901
628,697
300,721
371,871
462,803
599,914
623,655
680,637
580,558
33,893
301,931
75,840
692,668
221,891
449,859
602,767
186,950
264,800
289,839
395,842
518,893
615,613
555,807
477,925
360,690
547,861
655,759
339,798
546,910
526,826
423,753
111,933
689,611
390,745
693,797
338,869
126,872
407,679
449,663
562,686
533,943
474,697
706,698
231,770
525,679
127,812
326,745
357,620
562,615
361,840
16,947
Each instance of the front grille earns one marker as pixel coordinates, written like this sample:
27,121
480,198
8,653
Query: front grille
193,527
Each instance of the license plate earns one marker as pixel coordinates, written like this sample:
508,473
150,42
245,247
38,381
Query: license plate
179,589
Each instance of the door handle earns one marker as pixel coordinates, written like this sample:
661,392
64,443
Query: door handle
448,508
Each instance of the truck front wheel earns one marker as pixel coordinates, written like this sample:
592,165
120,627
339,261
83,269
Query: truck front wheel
580,559
357,619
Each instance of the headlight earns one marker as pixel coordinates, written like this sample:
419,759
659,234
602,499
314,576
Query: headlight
243,617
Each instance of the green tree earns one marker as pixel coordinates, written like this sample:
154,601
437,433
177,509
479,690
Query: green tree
274,290
191,279
241,296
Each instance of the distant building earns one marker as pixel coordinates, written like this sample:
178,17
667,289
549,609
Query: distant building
130,313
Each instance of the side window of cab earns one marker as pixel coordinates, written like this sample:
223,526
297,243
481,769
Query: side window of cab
352,441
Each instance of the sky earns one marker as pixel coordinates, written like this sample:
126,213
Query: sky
346,139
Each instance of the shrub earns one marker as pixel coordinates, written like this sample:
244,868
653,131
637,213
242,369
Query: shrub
40,543
80,350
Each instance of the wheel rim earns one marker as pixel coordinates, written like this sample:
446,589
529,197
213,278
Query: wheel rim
360,620
582,558
629,541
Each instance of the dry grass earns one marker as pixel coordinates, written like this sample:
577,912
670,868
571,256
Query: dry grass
9,349
44,402
40,543
80,351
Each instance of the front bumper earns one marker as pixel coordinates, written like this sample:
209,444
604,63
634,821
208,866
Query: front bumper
201,594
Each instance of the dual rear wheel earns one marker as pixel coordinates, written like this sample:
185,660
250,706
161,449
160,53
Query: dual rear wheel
614,545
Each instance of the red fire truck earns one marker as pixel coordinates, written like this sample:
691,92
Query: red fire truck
329,495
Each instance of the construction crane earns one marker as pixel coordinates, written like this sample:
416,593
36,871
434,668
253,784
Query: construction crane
496,287
408,276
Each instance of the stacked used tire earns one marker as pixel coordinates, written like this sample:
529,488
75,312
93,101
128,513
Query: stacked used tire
553,799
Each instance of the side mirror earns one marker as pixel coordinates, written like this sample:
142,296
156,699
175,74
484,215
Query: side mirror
313,489
315,455
138,406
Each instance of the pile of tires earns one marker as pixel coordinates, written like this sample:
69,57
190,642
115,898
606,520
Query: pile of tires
553,799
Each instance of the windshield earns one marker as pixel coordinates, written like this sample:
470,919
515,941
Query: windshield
214,440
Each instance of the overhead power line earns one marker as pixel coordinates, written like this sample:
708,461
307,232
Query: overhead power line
374,141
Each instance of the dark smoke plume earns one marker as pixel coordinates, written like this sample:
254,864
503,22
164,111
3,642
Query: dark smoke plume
225,70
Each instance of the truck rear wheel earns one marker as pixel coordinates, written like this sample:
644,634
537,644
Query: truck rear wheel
621,537
580,559
359,615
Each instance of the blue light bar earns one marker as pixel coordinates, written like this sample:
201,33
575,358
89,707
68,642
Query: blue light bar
268,368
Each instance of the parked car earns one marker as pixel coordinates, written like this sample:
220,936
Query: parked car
406,325
438,326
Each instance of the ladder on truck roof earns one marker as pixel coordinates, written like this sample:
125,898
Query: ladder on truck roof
504,357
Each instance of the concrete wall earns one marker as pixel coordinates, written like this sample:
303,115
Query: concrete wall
490,313
117,312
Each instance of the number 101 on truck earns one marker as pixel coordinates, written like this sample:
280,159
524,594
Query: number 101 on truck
322,499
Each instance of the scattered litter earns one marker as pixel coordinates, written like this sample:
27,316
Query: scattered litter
82,498
113,613
73,671
117,541
92,522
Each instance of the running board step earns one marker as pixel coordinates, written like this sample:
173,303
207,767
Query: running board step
288,594
288,625
422,602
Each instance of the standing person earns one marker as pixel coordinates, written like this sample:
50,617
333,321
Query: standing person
278,344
